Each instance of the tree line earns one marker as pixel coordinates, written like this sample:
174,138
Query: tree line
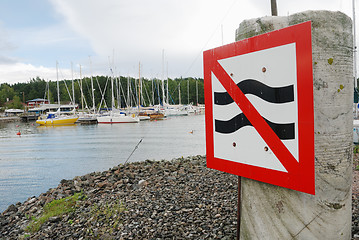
126,91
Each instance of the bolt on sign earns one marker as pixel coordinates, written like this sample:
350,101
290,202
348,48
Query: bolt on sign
259,108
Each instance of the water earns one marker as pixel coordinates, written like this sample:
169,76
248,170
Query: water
38,159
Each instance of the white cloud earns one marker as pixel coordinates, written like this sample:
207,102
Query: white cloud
134,31
21,72
138,30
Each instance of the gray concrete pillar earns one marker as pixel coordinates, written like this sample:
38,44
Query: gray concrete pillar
271,212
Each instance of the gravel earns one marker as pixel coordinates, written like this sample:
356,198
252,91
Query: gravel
177,199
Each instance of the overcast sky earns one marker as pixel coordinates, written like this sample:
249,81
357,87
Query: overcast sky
118,34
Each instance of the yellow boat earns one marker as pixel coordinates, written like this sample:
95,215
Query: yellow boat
53,119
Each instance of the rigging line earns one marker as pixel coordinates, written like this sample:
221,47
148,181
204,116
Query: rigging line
102,93
209,39
134,92
146,92
123,92
78,82
68,92
47,84
85,79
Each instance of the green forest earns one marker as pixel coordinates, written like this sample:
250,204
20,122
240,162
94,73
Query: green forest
126,90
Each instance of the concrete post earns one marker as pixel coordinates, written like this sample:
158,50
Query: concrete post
271,212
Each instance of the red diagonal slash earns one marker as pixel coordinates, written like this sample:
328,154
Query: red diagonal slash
264,130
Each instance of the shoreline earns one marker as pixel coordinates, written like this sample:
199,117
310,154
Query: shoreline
180,198
175,199
10,119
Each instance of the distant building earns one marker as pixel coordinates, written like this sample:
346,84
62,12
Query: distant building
36,102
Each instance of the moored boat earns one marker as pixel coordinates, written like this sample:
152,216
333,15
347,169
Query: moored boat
55,119
87,118
151,113
117,118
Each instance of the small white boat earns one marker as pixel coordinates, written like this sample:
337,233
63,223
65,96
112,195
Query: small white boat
87,118
117,117
144,118
175,112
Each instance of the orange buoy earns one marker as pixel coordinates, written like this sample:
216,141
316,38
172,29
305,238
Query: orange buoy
18,133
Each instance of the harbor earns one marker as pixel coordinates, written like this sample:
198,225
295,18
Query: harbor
40,157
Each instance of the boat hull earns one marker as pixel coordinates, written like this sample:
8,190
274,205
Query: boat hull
115,119
54,121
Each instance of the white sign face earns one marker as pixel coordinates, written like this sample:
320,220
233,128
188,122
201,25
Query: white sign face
268,78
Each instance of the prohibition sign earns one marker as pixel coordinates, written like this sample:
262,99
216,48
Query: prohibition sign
298,169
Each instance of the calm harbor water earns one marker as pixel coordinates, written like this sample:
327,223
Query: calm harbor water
38,159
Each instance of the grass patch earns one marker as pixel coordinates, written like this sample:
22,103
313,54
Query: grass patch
53,209
356,149
109,215
355,158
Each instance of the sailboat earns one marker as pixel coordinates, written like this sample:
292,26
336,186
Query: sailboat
176,110
91,116
56,118
141,114
115,115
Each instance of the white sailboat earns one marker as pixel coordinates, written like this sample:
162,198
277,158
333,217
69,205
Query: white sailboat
176,110
91,116
141,115
115,115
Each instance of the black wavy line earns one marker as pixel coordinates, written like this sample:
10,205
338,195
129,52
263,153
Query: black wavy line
250,86
284,131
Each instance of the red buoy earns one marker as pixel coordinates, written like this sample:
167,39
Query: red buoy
18,133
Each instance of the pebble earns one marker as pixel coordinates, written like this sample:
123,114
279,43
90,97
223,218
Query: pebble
177,199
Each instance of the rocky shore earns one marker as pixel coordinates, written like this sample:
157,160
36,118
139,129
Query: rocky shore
177,199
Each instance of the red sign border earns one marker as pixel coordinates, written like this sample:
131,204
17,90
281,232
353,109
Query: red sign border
301,176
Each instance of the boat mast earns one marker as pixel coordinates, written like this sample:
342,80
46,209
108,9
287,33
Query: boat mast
197,92
188,92
139,85
58,87
128,92
73,86
167,85
92,88
153,94
48,90
82,93
179,93
163,77
112,95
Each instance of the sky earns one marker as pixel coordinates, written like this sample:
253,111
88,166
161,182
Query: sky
117,37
